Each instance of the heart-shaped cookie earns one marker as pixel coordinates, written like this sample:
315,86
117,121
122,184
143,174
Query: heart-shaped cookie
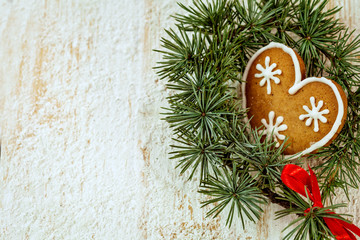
310,112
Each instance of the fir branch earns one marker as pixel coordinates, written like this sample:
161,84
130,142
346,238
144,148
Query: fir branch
308,225
211,47
264,159
255,20
193,154
205,17
246,148
181,53
316,30
284,24
339,168
234,190
203,115
345,67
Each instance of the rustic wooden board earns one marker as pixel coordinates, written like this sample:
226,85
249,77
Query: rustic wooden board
84,154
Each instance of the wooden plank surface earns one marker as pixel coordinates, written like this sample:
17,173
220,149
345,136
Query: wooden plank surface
84,154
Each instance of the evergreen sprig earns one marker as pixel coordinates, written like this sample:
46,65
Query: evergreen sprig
238,191
309,225
204,57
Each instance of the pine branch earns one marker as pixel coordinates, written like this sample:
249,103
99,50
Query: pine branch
205,17
316,30
277,198
210,47
194,154
234,190
309,225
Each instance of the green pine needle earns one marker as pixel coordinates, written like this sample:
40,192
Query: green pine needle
236,192
195,154
204,58
310,225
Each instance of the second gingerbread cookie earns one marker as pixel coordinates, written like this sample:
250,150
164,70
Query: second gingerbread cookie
309,112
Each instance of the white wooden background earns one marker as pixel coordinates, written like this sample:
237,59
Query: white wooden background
83,152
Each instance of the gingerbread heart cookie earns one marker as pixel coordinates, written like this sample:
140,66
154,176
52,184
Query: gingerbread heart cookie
310,112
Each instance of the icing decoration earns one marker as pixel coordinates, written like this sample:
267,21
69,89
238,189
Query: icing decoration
314,114
268,74
298,84
272,130
341,110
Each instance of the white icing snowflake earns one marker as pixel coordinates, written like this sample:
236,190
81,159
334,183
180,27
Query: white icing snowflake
268,74
273,130
314,114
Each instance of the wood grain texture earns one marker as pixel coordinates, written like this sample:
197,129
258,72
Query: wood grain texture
84,152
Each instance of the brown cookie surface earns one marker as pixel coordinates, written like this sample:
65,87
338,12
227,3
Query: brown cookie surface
310,117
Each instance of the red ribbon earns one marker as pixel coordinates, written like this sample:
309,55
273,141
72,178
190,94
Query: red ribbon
297,179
